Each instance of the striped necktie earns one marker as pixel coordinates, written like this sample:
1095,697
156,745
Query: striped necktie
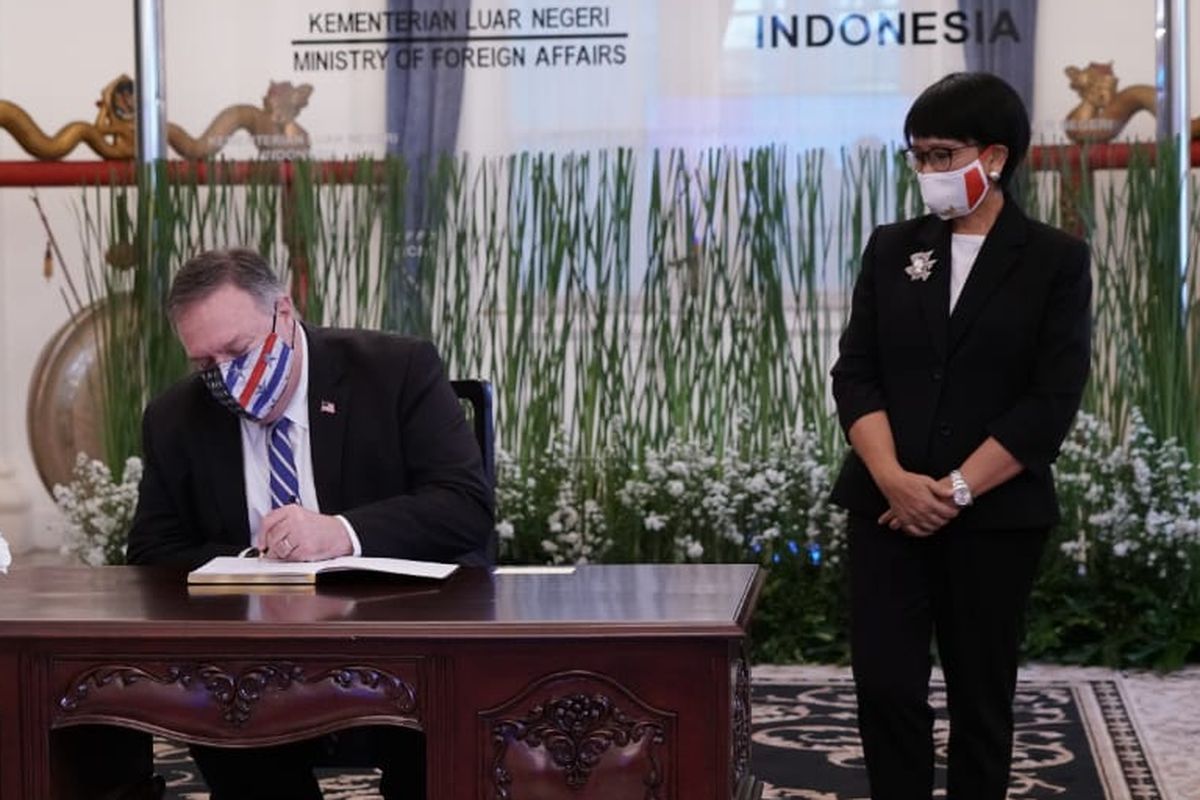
285,486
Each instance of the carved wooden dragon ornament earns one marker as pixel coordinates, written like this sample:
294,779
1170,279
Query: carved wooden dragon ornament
1103,111
273,127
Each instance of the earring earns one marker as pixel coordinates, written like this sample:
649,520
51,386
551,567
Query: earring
994,175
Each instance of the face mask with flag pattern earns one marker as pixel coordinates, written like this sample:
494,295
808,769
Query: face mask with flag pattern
252,384
955,193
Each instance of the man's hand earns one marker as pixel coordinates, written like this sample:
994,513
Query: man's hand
293,533
918,504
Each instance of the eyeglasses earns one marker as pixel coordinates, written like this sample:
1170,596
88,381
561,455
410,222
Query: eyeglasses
936,158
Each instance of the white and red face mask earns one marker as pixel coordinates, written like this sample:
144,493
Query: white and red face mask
955,193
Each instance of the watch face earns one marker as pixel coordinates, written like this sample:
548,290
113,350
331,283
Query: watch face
962,496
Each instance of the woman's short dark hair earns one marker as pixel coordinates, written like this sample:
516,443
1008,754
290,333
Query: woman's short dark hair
973,107
209,271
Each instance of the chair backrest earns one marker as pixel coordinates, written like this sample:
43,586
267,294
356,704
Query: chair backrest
479,394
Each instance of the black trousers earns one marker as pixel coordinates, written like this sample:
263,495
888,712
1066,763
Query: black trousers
285,772
968,589
101,761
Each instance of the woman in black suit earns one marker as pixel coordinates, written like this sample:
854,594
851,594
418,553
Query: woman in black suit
959,374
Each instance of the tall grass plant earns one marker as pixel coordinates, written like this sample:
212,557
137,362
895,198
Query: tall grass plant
630,309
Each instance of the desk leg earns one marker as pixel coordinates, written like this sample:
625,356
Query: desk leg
442,763
739,722
10,727
24,729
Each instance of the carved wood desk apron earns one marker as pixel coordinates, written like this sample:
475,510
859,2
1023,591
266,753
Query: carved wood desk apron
612,682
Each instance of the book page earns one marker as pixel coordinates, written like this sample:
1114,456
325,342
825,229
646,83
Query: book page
392,566
234,569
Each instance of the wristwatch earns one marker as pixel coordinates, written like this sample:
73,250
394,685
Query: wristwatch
962,491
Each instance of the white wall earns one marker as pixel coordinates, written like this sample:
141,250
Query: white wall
221,52
54,59
1076,32
684,83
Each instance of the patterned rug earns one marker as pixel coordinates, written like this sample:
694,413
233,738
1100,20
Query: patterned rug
184,782
1074,739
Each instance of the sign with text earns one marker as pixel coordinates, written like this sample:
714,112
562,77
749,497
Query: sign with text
476,38
574,75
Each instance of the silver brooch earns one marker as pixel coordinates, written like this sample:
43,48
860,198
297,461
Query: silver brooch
920,266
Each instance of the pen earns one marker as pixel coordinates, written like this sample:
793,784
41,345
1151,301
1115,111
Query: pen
254,552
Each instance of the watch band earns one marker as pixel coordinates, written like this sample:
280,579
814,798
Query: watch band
962,490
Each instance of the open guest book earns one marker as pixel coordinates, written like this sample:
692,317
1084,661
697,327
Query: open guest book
234,569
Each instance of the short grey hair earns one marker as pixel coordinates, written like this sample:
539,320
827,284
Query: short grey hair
202,275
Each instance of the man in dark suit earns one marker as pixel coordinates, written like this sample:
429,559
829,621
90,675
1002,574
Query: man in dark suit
304,443
960,371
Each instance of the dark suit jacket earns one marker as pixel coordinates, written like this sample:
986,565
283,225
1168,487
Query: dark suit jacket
397,459
1011,362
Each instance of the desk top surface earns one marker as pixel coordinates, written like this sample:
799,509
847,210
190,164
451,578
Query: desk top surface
712,600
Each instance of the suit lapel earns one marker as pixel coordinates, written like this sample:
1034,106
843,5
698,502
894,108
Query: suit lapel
996,257
934,294
223,440
328,410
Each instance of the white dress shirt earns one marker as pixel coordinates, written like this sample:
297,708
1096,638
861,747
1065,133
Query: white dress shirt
256,468
964,249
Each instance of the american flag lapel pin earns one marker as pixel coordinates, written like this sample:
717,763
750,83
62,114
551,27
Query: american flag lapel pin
327,407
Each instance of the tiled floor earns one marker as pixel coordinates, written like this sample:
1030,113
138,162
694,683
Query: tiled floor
1167,707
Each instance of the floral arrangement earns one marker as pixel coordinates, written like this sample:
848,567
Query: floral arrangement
1136,503
681,503
1121,585
546,517
98,510
1117,583
676,504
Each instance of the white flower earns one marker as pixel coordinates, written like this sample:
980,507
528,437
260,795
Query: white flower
765,505
97,509
504,530
687,548
758,484
654,522
675,488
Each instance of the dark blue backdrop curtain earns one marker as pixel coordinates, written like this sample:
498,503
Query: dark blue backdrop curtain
1011,60
423,109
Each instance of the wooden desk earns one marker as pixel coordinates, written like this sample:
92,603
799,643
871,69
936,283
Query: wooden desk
613,682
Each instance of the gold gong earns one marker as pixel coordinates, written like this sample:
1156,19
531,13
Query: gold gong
63,411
